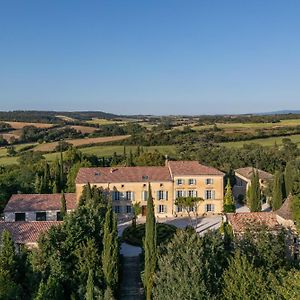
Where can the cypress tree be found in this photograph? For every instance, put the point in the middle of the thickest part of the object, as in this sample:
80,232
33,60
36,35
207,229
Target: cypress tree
228,199
110,254
150,246
289,177
46,180
57,180
89,295
124,153
37,184
8,265
254,193
277,194
62,176
7,254
63,207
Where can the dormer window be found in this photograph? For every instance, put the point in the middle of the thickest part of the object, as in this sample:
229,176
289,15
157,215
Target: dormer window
145,177
97,173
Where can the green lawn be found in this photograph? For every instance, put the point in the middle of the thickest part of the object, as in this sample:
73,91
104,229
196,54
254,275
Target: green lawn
264,141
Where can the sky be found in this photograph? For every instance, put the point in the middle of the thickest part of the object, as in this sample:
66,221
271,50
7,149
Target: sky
157,57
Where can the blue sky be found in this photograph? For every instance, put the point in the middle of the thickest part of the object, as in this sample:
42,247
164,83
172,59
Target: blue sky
150,57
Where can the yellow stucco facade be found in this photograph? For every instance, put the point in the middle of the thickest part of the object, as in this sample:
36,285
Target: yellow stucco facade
210,188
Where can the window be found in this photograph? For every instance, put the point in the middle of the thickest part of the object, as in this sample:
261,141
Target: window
192,181
180,181
179,193
117,209
162,195
161,209
129,196
128,209
40,216
145,177
20,217
116,195
209,194
209,207
144,195
192,193
179,208
209,181
59,216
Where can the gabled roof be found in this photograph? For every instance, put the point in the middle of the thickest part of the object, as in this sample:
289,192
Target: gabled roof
240,222
248,172
122,174
181,168
27,232
285,211
39,202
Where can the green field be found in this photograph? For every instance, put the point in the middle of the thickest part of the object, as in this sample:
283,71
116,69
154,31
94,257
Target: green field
264,141
237,126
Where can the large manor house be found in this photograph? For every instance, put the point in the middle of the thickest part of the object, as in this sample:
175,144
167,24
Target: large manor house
26,216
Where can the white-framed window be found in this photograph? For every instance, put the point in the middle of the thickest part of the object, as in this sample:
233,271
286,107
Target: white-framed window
209,181
209,207
179,208
129,196
128,209
192,193
116,195
192,209
209,194
145,195
161,209
117,209
179,181
180,193
192,181
162,195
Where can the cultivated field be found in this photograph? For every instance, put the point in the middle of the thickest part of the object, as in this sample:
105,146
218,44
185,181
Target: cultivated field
80,142
84,129
264,141
20,125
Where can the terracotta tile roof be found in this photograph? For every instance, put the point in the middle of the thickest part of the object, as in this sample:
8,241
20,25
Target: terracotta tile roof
241,221
122,174
27,232
39,202
179,168
248,172
285,211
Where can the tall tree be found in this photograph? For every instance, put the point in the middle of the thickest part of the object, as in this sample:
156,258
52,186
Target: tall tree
289,177
249,284
110,254
46,180
8,268
63,206
277,193
150,246
254,193
89,295
228,199
137,210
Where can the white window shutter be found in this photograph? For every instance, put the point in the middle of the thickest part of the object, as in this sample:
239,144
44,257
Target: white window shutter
165,208
132,196
213,194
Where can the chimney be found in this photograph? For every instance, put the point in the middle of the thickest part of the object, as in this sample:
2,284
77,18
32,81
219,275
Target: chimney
166,160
